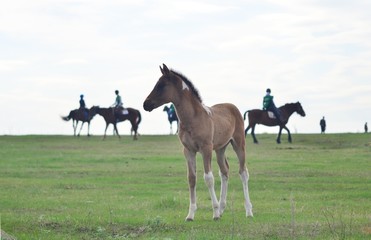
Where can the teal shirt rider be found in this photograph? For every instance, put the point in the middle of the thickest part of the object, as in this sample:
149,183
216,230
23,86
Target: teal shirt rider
267,100
171,110
118,101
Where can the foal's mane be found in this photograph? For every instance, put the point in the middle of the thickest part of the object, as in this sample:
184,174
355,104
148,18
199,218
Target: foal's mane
189,84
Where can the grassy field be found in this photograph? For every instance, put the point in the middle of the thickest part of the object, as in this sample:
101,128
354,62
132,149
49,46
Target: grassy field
61,187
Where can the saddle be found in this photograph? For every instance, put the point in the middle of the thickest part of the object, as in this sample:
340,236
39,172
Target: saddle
121,111
271,115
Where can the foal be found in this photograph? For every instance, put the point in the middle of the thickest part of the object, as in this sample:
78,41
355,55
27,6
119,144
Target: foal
203,129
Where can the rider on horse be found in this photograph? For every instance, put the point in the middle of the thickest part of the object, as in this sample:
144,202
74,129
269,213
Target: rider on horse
83,108
172,110
118,106
268,105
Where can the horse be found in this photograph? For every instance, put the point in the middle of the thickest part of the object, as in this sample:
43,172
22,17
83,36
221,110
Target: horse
257,116
114,116
203,129
171,116
81,115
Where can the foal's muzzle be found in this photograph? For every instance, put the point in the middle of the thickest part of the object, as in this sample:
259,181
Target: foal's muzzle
148,105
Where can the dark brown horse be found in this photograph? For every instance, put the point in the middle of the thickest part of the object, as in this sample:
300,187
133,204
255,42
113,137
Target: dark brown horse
83,115
116,115
203,129
257,116
172,117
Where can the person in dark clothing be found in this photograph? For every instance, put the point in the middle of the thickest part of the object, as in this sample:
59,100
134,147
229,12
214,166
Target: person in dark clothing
322,123
268,105
82,101
83,108
366,128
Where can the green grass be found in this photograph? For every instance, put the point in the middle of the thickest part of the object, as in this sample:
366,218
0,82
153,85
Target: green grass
61,187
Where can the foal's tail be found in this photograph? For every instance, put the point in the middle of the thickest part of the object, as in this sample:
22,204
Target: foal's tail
244,115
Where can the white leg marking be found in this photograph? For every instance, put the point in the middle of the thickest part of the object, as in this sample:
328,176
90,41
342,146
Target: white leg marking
248,206
191,211
209,180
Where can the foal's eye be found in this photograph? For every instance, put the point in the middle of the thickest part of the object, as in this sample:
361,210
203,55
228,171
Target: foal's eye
160,86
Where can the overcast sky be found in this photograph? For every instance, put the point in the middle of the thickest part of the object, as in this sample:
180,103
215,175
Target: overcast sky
315,52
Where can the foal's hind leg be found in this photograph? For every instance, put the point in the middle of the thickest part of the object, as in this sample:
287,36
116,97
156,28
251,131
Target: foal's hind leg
239,148
224,175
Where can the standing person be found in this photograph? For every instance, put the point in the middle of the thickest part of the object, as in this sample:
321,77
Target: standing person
268,105
83,108
322,123
366,128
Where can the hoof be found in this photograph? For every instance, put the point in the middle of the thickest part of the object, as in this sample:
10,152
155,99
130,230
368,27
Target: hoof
189,220
249,213
216,218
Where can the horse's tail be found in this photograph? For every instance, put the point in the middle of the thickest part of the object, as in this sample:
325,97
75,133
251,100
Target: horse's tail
139,117
67,118
244,115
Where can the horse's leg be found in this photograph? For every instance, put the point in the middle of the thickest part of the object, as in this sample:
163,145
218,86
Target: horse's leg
74,127
105,130
89,129
191,164
253,134
117,131
246,130
224,175
288,133
134,127
239,148
82,124
206,153
279,136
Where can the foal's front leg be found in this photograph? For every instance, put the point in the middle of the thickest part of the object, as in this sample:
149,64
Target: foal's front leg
191,163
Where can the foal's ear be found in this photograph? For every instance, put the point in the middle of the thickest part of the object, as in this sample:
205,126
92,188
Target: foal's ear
164,69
